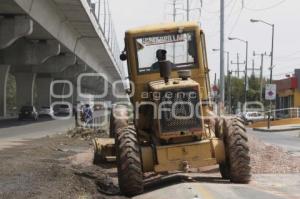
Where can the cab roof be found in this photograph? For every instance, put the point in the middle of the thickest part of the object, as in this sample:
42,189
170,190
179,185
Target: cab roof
161,27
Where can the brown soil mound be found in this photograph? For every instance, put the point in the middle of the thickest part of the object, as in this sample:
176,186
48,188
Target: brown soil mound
267,158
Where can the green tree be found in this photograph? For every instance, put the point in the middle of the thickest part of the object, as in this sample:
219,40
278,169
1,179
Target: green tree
237,89
253,93
11,93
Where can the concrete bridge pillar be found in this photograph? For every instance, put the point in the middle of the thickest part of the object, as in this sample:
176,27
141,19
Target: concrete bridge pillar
43,90
13,28
62,89
25,88
4,72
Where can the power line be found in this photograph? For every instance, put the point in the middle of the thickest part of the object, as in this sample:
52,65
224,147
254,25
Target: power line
266,8
231,11
236,22
218,11
215,33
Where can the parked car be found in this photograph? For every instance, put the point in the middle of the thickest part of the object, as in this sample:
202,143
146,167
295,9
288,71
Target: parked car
46,111
28,112
63,109
251,117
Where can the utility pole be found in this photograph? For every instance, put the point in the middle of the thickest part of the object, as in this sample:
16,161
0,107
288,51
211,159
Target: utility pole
262,55
271,73
246,75
246,65
222,47
229,91
174,10
188,10
215,79
253,67
228,67
104,18
238,64
272,65
261,76
174,19
228,62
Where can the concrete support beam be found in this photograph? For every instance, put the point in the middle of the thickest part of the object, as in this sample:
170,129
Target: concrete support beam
25,88
56,64
25,52
70,72
13,28
89,45
43,90
4,72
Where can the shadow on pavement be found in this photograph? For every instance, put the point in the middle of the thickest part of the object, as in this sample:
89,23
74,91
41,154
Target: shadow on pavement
169,180
15,122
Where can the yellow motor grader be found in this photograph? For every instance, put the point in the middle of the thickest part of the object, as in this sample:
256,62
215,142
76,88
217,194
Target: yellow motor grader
171,126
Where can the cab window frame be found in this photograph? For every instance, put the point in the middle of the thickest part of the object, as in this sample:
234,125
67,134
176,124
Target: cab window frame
196,63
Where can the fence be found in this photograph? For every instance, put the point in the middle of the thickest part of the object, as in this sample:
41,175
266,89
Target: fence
285,113
101,11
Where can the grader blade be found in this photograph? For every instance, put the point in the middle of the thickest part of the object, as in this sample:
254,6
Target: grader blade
104,150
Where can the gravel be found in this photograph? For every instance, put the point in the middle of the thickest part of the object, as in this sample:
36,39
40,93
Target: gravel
266,158
56,167
61,167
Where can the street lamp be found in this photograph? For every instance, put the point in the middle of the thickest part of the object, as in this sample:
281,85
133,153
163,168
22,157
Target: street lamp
223,87
271,54
246,65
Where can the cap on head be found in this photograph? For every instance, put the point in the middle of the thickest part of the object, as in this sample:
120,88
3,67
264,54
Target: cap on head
161,54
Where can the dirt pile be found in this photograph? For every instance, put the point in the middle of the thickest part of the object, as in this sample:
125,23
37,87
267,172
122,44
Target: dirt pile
54,167
86,133
267,158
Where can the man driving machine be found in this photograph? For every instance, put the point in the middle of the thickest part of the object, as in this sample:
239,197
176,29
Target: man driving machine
161,56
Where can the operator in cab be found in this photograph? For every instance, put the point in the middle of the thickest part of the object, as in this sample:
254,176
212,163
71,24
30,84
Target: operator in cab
161,56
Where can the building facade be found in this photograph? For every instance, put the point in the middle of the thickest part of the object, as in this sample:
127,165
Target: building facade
288,92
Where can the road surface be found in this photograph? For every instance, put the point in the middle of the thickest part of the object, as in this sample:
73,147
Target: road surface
205,185
281,186
12,132
262,186
288,140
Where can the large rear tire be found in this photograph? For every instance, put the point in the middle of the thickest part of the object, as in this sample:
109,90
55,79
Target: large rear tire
237,164
129,164
118,119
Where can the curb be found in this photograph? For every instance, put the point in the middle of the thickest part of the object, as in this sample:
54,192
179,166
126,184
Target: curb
276,130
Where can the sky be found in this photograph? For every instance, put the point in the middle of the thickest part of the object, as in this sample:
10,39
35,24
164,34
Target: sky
283,13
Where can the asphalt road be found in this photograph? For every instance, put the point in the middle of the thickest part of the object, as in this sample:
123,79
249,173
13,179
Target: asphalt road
262,186
279,186
288,140
13,132
206,186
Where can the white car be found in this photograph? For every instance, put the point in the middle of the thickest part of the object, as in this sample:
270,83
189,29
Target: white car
46,111
251,117
64,109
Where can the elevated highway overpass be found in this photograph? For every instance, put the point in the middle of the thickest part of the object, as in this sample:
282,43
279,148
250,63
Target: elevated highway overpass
46,40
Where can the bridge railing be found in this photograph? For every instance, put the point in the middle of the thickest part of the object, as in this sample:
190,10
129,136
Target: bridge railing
101,11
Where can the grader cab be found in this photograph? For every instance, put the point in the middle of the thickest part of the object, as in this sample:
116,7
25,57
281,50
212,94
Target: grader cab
171,126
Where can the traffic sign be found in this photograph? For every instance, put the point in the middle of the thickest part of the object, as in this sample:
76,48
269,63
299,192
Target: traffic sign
215,90
270,92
